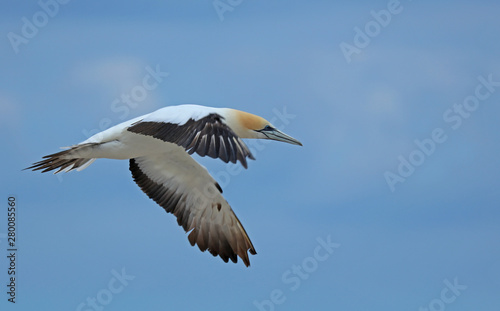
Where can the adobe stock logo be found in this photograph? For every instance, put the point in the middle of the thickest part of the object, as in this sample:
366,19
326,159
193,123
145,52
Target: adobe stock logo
454,117
298,273
105,296
30,27
448,295
363,37
221,7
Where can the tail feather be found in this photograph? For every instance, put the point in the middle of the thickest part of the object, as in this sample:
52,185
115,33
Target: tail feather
66,160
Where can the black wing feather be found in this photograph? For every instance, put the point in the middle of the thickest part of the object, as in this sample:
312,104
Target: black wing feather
208,136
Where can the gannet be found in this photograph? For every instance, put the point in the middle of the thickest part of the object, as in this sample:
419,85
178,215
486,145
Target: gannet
159,147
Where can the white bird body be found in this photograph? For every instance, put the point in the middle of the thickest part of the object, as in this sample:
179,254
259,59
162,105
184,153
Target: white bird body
118,143
159,145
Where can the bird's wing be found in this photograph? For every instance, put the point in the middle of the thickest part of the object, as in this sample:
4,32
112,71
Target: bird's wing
205,136
184,188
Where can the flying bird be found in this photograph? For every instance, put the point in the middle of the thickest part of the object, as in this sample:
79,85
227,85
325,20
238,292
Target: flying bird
159,147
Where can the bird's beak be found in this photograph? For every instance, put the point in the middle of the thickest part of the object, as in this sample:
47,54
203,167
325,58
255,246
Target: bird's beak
280,136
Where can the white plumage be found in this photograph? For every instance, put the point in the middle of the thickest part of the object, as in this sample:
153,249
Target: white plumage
159,145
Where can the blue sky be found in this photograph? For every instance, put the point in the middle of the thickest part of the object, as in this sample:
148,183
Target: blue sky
410,102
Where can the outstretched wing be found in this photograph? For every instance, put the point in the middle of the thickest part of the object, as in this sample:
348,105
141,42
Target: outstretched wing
205,136
184,188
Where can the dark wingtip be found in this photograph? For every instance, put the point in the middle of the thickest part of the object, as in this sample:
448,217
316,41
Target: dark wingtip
35,166
246,261
244,164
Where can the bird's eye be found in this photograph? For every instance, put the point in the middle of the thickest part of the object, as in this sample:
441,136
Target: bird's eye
268,128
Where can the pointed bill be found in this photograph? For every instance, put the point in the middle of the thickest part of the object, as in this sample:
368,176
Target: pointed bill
280,136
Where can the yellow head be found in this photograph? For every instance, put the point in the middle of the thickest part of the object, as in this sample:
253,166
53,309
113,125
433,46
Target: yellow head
247,125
